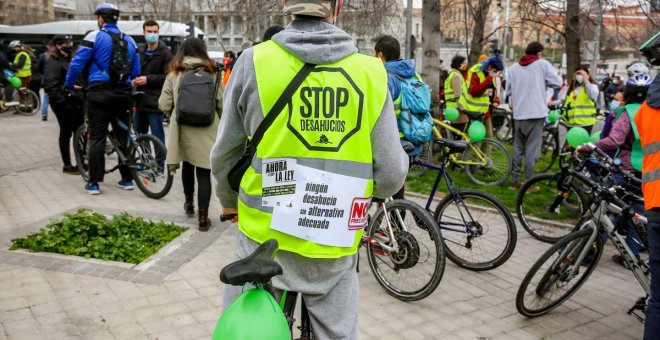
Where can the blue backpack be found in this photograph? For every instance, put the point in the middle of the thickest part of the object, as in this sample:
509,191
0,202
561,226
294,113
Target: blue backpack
415,120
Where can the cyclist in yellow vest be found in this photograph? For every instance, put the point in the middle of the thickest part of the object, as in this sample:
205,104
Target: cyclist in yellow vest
453,85
22,63
478,88
329,150
580,99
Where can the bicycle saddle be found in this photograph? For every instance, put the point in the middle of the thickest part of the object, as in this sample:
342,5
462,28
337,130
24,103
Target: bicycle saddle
454,146
258,267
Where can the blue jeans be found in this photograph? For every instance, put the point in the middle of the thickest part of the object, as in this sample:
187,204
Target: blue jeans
44,105
652,312
633,241
144,121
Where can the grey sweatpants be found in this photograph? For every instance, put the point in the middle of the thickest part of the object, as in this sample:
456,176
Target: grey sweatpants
328,286
527,136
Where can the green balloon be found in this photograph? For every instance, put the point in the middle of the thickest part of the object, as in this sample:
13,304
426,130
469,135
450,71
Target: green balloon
595,137
477,131
451,113
15,82
554,115
253,315
577,136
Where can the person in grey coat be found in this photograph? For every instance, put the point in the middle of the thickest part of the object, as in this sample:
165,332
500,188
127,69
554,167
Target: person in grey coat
328,285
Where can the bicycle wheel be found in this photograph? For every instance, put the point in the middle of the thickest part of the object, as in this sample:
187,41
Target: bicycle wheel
503,128
425,156
497,166
536,214
146,158
28,102
415,270
478,231
549,282
549,151
80,139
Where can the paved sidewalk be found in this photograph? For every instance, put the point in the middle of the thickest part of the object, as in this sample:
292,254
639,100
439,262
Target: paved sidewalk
183,301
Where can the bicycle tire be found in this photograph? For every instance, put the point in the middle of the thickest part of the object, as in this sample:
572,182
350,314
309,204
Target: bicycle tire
461,216
549,151
498,168
564,220
503,128
426,268
572,245
142,160
29,102
80,144
425,156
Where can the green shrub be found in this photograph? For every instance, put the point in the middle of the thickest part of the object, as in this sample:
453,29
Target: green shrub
89,234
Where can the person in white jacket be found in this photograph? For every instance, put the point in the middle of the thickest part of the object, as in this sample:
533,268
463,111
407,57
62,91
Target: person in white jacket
526,86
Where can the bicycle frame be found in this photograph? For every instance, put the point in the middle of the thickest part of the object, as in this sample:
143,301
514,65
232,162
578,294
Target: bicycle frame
451,186
483,158
381,242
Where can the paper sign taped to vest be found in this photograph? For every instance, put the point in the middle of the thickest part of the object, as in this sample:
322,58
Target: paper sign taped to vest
322,208
278,182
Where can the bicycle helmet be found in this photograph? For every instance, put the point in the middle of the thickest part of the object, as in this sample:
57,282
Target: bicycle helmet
107,9
640,79
314,8
651,50
15,43
637,68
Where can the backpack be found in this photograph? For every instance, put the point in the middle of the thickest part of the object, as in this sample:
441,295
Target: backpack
120,61
415,120
197,93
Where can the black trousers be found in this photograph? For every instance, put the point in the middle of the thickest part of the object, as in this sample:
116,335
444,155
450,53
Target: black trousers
104,106
188,173
69,117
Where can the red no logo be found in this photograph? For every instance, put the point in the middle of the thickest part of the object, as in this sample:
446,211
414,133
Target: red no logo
359,213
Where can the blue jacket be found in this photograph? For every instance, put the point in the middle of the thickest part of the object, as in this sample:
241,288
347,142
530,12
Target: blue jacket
401,67
97,45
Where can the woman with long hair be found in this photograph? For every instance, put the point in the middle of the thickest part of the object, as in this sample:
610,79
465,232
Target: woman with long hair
66,105
191,145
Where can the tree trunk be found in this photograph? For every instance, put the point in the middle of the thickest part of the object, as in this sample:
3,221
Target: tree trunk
431,40
572,35
480,15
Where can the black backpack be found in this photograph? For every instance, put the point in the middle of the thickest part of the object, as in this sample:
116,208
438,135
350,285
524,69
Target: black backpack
197,94
120,61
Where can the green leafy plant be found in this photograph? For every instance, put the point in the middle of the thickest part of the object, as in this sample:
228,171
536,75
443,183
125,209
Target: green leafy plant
89,234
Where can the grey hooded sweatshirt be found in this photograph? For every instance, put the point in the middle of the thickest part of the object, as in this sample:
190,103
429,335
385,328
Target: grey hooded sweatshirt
329,286
316,42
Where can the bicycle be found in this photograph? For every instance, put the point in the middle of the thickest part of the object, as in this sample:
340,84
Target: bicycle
405,244
255,314
550,220
551,148
461,218
502,120
486,163
26,102
145,154
563,276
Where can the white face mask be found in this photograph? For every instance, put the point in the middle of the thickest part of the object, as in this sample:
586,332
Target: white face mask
579,79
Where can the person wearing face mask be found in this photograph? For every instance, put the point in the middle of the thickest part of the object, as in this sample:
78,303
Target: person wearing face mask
66,105
611,89
453,85
155,58
228,61
580,100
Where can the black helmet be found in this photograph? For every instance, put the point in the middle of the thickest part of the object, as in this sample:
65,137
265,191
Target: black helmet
651,50
107,9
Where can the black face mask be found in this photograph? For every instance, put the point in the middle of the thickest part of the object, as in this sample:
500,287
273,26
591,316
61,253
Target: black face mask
67,49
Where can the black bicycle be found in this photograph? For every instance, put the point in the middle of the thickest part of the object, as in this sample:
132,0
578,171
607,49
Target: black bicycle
145,155
563,268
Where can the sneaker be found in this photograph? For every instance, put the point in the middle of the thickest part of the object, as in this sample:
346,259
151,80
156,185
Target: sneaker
125,184
70,170
44,118
533,188
619,259
92,189
516,185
